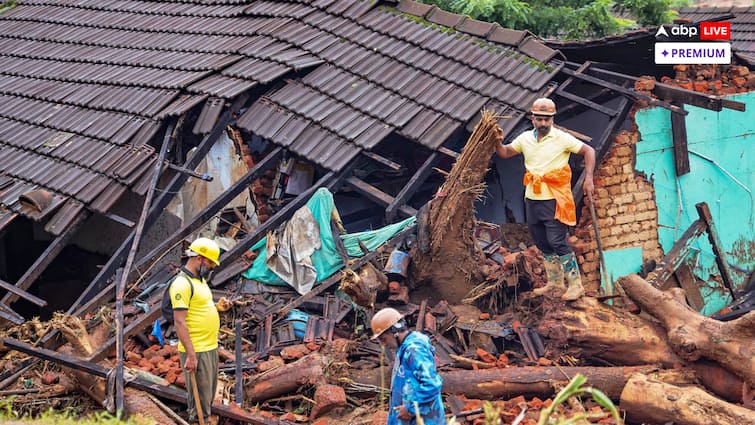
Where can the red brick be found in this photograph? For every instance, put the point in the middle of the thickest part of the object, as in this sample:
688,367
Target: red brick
294,352
327,398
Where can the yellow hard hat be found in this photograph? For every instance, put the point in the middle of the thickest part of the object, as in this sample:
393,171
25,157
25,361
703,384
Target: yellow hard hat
207,248
383,320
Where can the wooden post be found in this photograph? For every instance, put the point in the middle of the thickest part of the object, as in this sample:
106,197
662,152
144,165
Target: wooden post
679,135
715,242
411,187
239,372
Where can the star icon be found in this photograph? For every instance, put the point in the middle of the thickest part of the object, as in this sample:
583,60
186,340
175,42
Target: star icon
664,53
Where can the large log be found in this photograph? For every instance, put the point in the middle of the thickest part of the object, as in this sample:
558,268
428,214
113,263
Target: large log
491,384
648,400
543,381
608,333
451,262
692,335
309,370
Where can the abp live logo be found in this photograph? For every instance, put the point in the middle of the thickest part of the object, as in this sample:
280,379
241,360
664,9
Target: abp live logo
715,30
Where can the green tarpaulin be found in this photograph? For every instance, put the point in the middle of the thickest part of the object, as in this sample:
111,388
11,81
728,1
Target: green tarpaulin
325,259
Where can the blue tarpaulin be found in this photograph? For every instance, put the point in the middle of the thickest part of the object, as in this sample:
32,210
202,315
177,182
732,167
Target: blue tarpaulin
325,259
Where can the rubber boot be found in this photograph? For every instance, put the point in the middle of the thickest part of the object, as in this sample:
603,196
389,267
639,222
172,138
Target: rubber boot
555,274
573,279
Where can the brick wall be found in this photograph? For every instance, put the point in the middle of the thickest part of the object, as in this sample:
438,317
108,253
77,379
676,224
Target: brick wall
626,210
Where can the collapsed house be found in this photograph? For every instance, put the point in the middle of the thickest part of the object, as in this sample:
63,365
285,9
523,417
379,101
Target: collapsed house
276,102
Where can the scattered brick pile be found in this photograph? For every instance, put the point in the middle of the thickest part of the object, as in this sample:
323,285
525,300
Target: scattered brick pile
626,210
158,361
709,79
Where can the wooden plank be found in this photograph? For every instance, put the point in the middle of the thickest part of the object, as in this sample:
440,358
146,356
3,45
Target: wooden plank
46,258
376,195
448,152
23,294
172,392
8,314
679,133
732,104
687,281
715,242
676,255
586,102
583,137
419,177
383,160
623,90
239,375
121,277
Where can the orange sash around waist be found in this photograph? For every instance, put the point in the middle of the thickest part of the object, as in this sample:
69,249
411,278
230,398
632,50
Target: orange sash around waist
559,183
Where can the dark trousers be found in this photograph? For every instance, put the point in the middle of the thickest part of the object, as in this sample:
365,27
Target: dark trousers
548,233
207,382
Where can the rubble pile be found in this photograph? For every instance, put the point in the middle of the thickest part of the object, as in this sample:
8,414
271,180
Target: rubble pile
709,79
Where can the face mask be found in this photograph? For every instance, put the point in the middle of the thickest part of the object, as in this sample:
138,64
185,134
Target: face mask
204,271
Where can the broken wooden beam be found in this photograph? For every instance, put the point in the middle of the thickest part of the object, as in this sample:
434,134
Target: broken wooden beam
382,160
659,278
679,139
377,196
723,266
23,294
419,177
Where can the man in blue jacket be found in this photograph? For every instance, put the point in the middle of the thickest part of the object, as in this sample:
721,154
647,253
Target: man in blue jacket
415,383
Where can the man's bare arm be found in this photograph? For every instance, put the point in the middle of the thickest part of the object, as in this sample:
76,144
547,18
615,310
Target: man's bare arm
589,154
504,151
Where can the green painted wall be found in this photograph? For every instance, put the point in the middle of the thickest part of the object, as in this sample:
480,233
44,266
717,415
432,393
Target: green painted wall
728,139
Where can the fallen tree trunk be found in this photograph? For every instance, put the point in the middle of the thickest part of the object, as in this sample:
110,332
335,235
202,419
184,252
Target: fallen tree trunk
450,262
607,333
649,400
693,335
491,384
308,370
542,381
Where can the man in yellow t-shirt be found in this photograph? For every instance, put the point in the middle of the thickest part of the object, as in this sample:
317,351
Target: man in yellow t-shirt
197,324
549,204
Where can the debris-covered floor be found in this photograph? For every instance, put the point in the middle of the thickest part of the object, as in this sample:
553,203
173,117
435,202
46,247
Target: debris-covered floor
302,354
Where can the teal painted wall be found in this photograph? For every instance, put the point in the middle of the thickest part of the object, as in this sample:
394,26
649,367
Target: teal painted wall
728,139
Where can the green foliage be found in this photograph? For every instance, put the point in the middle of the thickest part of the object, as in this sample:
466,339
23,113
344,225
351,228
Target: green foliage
6,5
576,388
8,413
649,12
492,414
565,19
